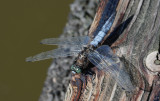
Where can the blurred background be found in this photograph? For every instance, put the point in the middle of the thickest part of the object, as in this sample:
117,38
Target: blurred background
23,24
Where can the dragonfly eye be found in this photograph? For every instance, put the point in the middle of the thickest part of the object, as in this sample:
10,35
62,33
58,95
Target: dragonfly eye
78,70
75,69
72,68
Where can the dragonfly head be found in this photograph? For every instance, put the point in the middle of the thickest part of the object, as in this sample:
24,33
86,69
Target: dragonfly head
76,69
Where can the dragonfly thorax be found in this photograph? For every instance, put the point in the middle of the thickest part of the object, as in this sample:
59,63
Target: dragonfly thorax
81,61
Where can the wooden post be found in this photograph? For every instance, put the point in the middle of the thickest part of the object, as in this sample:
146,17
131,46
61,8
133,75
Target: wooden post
133,36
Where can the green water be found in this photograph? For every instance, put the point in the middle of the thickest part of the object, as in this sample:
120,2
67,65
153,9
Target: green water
23,23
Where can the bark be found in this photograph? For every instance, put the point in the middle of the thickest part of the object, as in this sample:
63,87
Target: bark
133,36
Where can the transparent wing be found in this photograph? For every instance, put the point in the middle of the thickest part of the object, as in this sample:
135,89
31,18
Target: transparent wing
60,52
79,41
104,59
106,51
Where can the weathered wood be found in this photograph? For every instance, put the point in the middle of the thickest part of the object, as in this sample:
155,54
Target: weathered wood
134,35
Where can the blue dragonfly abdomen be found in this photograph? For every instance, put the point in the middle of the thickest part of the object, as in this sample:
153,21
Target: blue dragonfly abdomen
104,30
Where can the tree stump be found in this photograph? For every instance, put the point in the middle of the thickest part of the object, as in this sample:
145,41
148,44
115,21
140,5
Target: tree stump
133,36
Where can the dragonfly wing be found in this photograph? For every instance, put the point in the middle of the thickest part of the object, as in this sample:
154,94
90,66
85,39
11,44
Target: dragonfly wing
110,66
106,51
60,52
79,41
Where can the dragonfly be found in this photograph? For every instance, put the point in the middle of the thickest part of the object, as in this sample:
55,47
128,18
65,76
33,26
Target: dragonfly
86,49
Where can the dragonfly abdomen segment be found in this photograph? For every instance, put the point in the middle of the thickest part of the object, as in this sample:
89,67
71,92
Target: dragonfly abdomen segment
105,28
98,38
